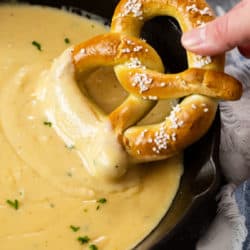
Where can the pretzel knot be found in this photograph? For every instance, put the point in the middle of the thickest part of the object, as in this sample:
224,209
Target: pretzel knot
140,71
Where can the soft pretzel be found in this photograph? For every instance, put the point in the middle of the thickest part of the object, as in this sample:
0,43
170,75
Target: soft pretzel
140,71
191,119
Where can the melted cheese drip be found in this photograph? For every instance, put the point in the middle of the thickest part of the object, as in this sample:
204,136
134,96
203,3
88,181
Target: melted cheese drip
43,167
78,122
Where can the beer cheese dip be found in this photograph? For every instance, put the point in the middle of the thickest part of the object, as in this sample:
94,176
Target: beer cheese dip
49,198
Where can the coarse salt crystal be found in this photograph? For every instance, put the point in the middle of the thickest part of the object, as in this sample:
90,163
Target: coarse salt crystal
153,98
173,136
194,106
135,63
129,42
150,140
133,7
141,136
142,81
80,55
175,123
125,50
137,48
202,61
200,23
177,108
155,150
161,140
180,123
204,12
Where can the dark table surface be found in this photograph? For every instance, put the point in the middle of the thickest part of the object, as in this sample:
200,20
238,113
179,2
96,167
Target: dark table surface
187,237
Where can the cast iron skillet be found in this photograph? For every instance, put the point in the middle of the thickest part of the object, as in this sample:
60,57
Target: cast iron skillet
201,175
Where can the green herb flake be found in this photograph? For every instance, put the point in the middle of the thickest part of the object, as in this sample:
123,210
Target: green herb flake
52,205
69,174
93,247
66,40
47,123
102,201
98,207
37,45
14,204
83,239
85,210
74,228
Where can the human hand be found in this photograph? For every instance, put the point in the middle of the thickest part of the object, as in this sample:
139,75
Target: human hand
223,34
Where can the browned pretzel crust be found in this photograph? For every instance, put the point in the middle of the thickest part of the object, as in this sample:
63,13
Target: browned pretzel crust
187,121
192,81
193,117
140,71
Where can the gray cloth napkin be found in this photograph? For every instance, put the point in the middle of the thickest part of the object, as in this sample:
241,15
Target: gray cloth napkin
229,230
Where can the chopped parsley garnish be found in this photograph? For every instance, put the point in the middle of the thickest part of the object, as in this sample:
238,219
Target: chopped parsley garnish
47,123
14,204
52,205
93,247
74,228
66,40
84,239
102,200
69,174
37,45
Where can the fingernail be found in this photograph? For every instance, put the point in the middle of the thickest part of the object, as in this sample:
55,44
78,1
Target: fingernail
194,38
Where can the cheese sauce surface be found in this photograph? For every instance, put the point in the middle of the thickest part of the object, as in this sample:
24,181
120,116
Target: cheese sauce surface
49,199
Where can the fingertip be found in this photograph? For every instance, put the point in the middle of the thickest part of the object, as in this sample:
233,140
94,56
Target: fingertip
190,39
194,39
197,42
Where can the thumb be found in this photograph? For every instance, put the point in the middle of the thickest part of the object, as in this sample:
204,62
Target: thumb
222,34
